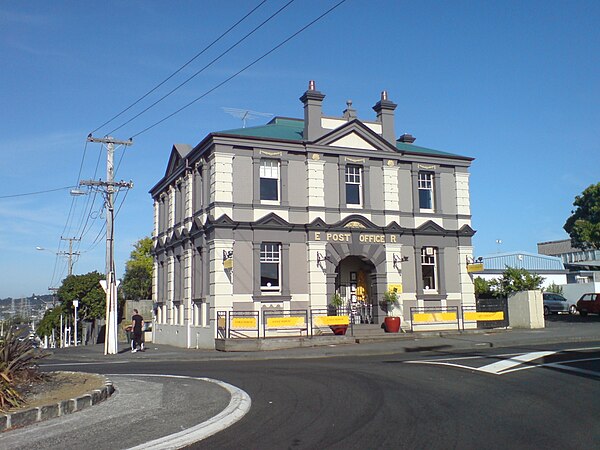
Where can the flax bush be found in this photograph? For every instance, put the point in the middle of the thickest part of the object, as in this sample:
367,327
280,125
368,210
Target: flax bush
17,365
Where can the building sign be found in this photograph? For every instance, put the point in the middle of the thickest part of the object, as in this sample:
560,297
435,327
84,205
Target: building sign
484,316
286,322
363,238
397,288
475,267
320,321
241,323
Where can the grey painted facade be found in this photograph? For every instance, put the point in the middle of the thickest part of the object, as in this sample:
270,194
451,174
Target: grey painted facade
339,209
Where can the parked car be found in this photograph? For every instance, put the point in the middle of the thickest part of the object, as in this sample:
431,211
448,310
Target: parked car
555,303
589,303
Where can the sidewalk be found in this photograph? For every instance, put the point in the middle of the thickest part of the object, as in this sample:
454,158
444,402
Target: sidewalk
559,329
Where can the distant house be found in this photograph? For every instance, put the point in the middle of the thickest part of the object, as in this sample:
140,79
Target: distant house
549,267
583,265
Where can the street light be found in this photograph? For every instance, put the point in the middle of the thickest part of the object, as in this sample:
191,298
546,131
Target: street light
75,305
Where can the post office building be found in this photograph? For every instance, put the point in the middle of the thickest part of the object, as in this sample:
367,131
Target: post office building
281,216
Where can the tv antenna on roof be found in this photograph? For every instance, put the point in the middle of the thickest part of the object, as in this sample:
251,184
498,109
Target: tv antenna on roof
245,114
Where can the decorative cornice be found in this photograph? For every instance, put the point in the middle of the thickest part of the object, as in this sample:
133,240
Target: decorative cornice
264,152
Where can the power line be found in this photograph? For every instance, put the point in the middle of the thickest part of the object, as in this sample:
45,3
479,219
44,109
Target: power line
38,192
241,70
182,67
205,67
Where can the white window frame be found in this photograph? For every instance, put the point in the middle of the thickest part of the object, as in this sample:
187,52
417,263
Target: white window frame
353,176
425,182
270,169
429,258
270,253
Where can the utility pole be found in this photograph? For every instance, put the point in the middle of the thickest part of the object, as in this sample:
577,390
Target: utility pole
110,284
70,253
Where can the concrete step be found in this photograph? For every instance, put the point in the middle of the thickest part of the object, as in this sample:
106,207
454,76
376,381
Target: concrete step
370,331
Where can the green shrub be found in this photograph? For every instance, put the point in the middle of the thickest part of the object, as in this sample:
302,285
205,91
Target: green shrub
17,365
554,288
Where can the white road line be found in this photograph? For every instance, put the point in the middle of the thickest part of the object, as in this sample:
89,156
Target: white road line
238,406
561,365
507,364
84,363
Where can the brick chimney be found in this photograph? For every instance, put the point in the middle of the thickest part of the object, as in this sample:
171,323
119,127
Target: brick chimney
313,101
385,115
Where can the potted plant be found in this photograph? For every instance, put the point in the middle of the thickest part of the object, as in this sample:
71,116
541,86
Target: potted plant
335,303
391,323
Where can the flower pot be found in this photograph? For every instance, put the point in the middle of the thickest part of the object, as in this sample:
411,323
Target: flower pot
339,330
392,324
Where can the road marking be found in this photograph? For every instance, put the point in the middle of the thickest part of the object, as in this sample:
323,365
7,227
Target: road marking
507,364
237,408
84,363
517,363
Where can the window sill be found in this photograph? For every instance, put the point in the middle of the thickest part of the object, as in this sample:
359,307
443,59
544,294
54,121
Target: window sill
271,298
270,202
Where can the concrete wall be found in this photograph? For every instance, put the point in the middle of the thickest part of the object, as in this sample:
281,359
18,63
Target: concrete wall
526,310
177,336
573,291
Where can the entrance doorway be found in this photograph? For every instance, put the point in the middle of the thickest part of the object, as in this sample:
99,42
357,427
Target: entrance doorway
355,283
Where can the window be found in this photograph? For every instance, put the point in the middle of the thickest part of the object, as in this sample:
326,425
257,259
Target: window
429,268
425,184
353,185
269,179
269,267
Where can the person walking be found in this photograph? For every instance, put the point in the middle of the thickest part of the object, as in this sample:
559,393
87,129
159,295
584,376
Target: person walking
137,323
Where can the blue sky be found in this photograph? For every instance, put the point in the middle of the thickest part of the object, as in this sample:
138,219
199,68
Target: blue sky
512,84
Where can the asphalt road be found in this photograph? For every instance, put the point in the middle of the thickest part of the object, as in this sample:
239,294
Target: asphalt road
423,393
524,397
393,402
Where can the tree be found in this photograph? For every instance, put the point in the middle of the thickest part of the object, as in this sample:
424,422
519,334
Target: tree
584,224
137,281
516,280
482,287
50,321
85,288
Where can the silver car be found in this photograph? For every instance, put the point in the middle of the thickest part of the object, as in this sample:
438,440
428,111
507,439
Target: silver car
555,303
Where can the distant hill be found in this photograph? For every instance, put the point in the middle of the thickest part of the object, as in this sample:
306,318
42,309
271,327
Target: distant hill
34,300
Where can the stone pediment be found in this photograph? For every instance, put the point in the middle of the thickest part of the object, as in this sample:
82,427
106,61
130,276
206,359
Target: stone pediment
272,220
356,135
430,227
178,153
356,222
317,224
466,230
394,228
222,222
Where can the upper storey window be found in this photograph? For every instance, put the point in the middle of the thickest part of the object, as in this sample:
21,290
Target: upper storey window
425,184
269,180
353,185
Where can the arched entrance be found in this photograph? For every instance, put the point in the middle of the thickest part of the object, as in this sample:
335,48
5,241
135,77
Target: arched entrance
355,282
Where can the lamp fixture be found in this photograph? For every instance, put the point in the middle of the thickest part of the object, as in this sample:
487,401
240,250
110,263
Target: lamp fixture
398,259
321,258
471,260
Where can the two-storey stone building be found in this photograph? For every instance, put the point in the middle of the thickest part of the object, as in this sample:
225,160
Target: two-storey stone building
281,216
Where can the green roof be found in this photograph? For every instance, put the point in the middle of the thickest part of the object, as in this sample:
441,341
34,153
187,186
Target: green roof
412,148
292,130
278,128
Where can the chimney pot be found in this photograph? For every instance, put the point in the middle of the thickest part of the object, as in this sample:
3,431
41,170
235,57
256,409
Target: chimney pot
407,138
384,95
311,85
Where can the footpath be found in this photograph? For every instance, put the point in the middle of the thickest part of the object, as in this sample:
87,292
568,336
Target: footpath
138,408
